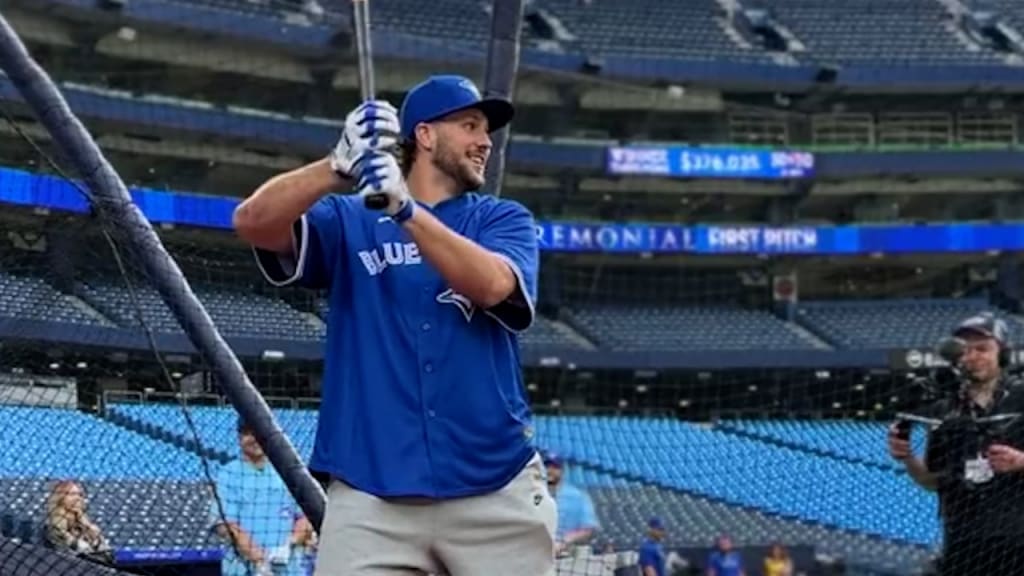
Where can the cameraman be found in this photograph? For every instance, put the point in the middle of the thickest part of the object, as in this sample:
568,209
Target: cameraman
975,463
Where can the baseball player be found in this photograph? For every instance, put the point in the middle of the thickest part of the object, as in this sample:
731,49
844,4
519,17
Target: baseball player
423,428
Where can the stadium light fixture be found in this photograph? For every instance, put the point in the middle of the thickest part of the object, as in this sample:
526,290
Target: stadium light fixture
684,403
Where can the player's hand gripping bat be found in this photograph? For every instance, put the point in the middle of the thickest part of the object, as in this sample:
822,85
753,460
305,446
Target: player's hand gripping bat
364,55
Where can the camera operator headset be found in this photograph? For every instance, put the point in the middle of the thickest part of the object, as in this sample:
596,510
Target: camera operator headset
974,458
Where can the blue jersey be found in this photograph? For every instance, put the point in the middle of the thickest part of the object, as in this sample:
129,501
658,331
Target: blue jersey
257,501
422,393
652,555
575,510
725,564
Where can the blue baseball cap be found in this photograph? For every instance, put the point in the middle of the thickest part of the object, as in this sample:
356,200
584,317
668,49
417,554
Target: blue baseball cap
553,459
441,95
655,523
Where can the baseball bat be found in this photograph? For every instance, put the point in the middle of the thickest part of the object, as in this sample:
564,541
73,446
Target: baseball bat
500,77
364,56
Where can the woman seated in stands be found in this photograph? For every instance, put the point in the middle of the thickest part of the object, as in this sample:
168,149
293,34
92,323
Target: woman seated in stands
69,528
777,563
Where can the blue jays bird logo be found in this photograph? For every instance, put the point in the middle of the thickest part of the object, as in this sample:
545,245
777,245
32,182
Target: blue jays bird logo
465,305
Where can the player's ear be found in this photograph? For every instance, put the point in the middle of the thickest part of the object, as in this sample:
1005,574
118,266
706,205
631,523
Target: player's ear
426,135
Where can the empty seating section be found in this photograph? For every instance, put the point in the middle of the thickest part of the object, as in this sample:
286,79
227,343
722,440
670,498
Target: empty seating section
59,443
847,439
262,8
747,472
1008,11
545,334
672,328
133,514
235,312
616,326
118,303
854,31
216,426
239,313
464,21
875,31
650,28
32,298
888,323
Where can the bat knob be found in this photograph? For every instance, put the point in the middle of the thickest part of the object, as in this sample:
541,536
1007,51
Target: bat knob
376,201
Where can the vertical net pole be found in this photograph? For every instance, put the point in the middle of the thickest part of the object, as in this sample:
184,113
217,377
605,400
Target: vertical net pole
111,201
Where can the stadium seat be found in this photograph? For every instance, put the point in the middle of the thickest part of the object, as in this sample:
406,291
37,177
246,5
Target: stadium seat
53,442
886,323
842,439
852,496
876,31
677,328
235,313
32,298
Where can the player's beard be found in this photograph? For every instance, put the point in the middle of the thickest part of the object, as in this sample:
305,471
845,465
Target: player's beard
456,166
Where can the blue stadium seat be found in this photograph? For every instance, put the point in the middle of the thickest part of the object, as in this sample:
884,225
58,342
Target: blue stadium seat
32,298
886,323
235,313
747,472
53,442
690,30
678,328
876,31
216,426
844,439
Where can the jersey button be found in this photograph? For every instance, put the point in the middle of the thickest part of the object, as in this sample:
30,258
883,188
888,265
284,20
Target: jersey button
431,413
428,367
426,326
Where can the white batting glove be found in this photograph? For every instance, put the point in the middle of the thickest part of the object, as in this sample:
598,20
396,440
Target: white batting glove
373,125
379,173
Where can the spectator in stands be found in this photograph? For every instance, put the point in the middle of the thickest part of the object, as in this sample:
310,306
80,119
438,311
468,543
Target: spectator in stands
979,477
577,520
68,526
253,512
724,560
777,563
652,552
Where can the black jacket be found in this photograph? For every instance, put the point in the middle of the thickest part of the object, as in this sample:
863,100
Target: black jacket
975,502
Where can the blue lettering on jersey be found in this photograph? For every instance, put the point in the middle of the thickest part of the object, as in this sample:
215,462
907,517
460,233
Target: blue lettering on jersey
417,400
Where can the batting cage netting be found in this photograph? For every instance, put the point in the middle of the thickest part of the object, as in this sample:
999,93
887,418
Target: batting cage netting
686,405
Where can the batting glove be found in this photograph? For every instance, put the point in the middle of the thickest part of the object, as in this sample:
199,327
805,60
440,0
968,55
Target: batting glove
379,173
373,125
